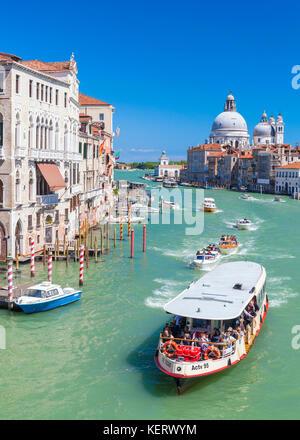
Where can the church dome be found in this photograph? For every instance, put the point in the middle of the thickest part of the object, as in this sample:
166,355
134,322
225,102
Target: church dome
263,129
229,121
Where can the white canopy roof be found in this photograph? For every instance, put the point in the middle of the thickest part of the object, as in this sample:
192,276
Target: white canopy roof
214,297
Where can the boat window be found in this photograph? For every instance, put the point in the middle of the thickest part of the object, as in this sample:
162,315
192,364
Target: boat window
52,292
36,293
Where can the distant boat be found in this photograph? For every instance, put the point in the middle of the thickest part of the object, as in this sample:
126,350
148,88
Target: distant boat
243,223
277,199
209,205
46,296
170,184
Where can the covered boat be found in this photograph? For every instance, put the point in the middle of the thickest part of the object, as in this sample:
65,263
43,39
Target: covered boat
209,205
46,296
207,257
216,321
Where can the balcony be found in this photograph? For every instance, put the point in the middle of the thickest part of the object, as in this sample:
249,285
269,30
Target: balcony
76,189
48,199
36,154
20,152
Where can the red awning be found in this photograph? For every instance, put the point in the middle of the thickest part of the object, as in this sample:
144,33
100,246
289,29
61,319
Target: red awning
52,175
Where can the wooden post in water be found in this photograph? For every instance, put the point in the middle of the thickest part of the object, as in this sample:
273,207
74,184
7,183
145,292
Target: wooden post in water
132,243
102,245
17,261
129,220
91,238
67,256
10,281
81,260
64,245
107,236
96,250
50,266
32,257
144,238
115,237
44,255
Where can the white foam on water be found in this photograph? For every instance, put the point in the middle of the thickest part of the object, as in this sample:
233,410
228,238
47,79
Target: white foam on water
168,290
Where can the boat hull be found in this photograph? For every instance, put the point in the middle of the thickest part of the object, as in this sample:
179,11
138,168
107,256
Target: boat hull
48,305
245,226
206,209
203,264
228,250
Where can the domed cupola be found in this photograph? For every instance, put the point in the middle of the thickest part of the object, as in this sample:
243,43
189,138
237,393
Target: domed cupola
264,131
229,127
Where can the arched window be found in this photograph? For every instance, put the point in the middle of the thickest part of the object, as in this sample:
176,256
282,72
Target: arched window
51,143
37,133
42,134
30,133
1,194
18,131
18,187
1,130
56,136
31,195
46,135
66,138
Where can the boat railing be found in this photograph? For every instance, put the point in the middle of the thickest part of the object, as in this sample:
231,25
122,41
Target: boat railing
223,347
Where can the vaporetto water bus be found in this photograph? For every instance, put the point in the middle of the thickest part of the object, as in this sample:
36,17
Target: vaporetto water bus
216,321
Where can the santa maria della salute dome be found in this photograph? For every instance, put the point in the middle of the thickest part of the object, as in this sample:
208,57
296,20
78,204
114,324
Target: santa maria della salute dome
230,128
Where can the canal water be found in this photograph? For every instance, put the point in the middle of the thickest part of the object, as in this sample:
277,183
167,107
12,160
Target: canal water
94,359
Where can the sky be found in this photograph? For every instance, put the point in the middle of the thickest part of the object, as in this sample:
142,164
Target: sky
167,66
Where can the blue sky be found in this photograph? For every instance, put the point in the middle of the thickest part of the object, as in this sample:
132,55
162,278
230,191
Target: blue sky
167,66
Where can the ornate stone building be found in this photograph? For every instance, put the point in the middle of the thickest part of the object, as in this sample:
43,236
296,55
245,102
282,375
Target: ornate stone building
41,165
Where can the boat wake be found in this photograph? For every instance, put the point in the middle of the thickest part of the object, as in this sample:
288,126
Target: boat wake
167,290
278,292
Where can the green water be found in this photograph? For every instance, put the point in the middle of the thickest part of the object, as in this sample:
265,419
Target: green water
94,359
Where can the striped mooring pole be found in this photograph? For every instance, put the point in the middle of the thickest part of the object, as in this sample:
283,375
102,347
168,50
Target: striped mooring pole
121,226
32,257
81,260
10,280
129,221
50,266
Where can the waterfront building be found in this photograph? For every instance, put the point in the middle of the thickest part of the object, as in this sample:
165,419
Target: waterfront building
41,164
287,179
197,162
229,127
227,169
163,169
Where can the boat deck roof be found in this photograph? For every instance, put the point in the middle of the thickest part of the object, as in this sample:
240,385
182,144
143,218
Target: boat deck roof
214,297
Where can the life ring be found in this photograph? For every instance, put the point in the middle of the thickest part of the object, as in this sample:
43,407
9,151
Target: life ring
166,345
213,349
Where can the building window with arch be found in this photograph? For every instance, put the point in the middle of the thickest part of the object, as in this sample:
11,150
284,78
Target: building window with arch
18,187
31,186
18,131
66,138
1,194
56,136
1,130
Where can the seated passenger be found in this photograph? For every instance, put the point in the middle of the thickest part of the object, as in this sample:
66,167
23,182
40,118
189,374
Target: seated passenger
216,335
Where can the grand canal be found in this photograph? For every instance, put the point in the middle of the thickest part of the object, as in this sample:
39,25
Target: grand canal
94,359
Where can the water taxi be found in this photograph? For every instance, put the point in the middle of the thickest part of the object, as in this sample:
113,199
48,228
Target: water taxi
165,204
170,183
277,199
243,223
206,258
216,322
228,244
46,296
209,205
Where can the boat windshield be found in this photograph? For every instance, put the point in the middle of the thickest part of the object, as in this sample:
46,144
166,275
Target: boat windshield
36,293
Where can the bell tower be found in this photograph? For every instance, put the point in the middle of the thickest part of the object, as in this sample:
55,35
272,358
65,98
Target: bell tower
230,105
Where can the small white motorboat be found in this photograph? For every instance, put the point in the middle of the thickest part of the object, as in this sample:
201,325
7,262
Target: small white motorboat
205,259
277,199
164,204
46,296
246,197
243,223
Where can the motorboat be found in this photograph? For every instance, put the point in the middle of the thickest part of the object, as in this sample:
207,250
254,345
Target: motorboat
209,205
277,199
206,258
200,340
247,197
228,244
243,223
46,296
170,184
165,204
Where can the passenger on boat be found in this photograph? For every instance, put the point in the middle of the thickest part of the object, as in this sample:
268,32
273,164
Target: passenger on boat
203,341
229,338
216,335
